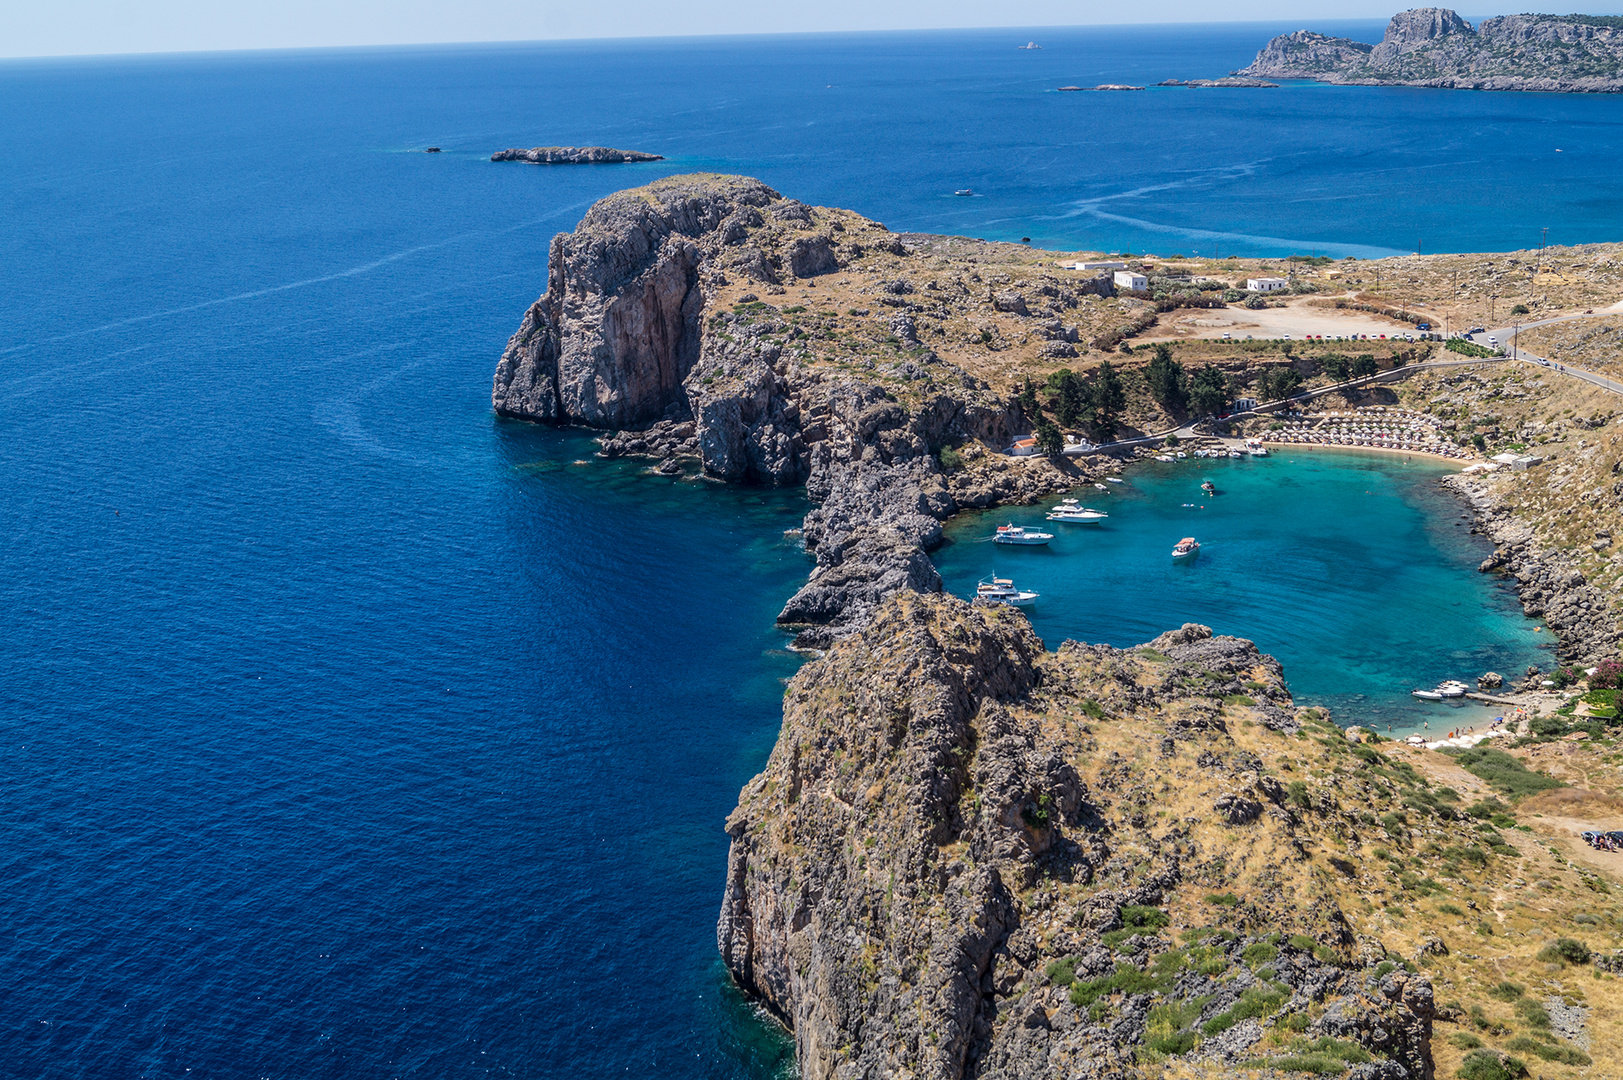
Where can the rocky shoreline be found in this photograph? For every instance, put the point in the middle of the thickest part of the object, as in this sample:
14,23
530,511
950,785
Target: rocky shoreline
1550,586
627,337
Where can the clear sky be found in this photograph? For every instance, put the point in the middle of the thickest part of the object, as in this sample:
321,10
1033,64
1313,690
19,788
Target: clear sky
78,27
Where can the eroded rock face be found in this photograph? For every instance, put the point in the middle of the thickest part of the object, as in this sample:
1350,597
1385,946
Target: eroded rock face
948,868
618,328
574,155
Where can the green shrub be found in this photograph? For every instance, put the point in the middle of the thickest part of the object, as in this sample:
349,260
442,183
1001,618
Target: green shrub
1487,1064
1165,1029
1565,1055
1464,1040
1062,972
1227,899
1507,775
1519,309
1565,950
1507,991
1536,1015
951,460
1255,1003
1450,909
1260,953
1303,942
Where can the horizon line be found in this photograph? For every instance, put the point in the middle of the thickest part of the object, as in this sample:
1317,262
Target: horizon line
660,38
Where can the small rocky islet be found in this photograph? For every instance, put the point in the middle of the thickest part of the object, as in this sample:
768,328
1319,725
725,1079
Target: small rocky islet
574,155
968,856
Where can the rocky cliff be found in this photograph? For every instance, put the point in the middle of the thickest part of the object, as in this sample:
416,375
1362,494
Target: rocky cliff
971,858
636,331
1435,47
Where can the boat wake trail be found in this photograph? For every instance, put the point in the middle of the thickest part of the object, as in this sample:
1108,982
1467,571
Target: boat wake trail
272,290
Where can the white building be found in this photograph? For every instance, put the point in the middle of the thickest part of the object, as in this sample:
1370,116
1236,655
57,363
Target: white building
1126,279
1266,284
1093,266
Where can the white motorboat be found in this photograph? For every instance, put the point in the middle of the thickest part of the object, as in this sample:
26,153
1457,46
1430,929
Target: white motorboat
1255,448
1163,457
1114,479
1426,695
1016,534
1101,487
1186,548
1453,688
1002,591
1071,510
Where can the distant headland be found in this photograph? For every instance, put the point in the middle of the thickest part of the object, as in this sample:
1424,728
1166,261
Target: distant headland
574,155
1435,47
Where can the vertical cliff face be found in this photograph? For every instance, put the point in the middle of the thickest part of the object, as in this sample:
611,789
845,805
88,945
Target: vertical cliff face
619,326
970,858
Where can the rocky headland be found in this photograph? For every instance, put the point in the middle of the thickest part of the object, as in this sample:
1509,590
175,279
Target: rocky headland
971,857
573,155
1435,47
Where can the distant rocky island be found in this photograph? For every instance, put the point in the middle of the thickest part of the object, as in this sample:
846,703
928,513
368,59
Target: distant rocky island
574,155
1435,47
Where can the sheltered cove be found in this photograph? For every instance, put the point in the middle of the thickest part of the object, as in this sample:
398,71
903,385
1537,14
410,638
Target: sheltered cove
964,851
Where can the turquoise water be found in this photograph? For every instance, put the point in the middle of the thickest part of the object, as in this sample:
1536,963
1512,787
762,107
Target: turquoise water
1356,570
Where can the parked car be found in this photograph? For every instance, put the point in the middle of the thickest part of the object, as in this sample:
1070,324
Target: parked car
1477,330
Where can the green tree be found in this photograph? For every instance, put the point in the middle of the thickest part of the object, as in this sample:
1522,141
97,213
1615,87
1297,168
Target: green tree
1208,391
1363,366
1167,383
1049,439
1336,365
1109,398
1519,309
1028,399
1278,382
1071,402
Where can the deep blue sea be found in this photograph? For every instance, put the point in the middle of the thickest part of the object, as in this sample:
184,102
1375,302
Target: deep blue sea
349,732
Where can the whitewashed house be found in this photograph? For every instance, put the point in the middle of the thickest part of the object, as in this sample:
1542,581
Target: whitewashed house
1126,279
1266,284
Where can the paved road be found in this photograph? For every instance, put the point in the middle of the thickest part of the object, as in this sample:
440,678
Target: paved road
1507,337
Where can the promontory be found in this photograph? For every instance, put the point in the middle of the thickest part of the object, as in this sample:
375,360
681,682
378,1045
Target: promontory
971,856
1435,47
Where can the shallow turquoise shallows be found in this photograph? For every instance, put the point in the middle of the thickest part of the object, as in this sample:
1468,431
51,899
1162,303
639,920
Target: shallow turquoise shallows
1356,570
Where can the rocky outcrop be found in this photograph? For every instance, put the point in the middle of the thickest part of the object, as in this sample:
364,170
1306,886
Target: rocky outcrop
952,866
1550,587
1435,47
574,155
628,336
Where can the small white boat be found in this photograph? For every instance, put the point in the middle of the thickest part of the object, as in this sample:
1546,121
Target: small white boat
1255,448
1002,591
1113,479
1163,457
1426,695
1186,548
1235,453
1071,510
1452,689
1181,456
1016,534
1101,487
